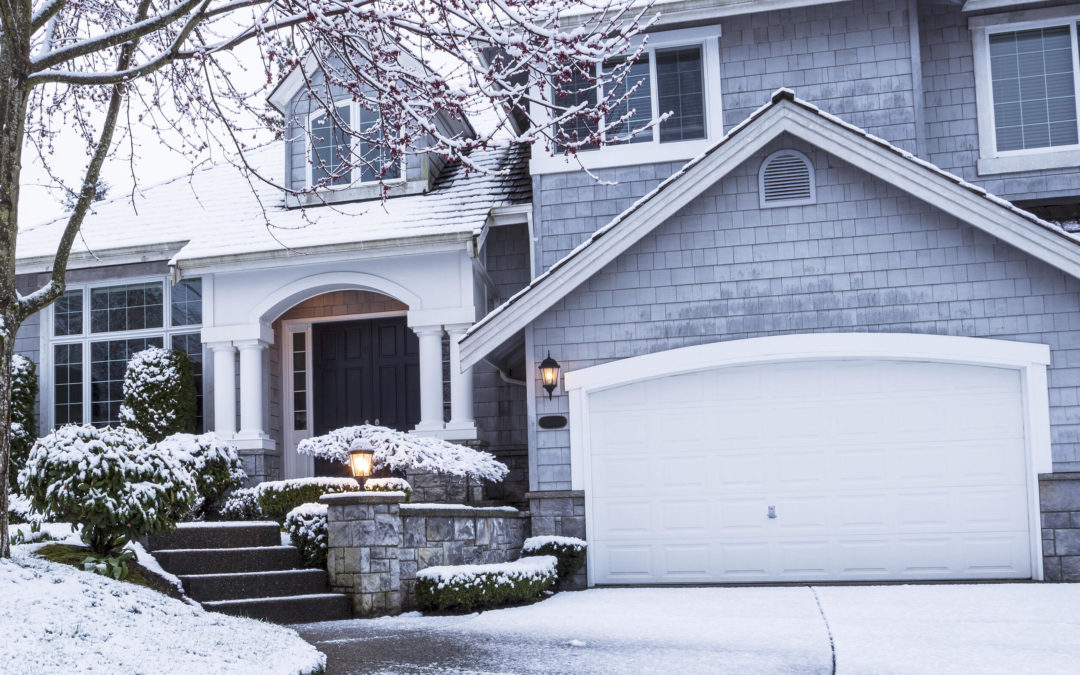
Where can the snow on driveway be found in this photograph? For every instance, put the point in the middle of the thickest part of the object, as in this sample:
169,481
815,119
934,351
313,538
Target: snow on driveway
985,628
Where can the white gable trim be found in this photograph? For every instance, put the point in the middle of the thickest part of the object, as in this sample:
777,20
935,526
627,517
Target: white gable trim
804,121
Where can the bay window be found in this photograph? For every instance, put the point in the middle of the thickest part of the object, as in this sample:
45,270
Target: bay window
97,328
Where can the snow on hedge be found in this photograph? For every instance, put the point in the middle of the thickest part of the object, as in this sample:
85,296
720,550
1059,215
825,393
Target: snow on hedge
159,393
58,619
328,482
533,568
536,543
213,462
389,485
400,451
308,531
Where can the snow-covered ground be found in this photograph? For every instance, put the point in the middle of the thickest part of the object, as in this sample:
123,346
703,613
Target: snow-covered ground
57,619
988,628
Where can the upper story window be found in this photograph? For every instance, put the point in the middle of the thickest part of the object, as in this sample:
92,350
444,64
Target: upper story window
678,72
680,90
336,155
1026,68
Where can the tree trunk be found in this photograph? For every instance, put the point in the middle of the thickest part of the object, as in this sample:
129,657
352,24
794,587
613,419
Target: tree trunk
14,96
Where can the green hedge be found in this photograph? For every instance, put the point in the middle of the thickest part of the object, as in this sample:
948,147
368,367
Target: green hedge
389,485
308,531
277,498
24,391
159,393
464,588
569,551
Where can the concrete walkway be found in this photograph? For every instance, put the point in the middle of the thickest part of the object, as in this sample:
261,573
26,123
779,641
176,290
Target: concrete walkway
994,628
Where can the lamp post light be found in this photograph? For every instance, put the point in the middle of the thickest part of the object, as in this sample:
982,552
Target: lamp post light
549,373
361,459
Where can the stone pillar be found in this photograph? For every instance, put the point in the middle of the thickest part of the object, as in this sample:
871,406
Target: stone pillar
1059,496
251,388
363,541
431,394
560,513
462,426
224,388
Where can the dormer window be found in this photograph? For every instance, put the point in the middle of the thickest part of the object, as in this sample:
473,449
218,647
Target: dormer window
335,153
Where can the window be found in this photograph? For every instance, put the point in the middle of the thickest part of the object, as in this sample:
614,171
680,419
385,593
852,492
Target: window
376,161
95,331
299,381
67,313
122,308
680,89
1026,82
679,77
1033,83
330,152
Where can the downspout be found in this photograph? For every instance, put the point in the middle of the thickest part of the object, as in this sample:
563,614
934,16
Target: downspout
505,377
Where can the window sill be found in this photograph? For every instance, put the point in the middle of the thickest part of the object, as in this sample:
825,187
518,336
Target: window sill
612,156
1060,159
356,193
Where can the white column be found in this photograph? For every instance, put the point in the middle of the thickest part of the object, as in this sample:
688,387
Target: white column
251,388
461,389
224,388
431,399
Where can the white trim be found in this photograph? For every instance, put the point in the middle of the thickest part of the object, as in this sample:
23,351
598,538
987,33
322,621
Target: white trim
991,161
1028,359
277,301
812,199
681,12
630,154
878,159
985,5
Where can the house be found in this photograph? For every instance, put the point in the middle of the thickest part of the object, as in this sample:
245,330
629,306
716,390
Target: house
822,323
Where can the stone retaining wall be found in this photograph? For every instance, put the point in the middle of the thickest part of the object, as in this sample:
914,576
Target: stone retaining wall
377,544
1059,495
560,513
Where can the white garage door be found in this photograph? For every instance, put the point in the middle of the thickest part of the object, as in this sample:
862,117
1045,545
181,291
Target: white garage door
827,470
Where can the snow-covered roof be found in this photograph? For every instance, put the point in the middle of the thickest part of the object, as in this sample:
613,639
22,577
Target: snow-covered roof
783,114
218,212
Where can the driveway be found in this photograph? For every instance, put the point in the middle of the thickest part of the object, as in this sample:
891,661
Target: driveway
988,628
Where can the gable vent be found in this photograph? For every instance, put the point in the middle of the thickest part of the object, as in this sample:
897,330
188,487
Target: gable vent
786,179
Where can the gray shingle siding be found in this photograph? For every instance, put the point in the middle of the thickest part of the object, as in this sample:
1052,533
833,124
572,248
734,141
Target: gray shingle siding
866,257
951,119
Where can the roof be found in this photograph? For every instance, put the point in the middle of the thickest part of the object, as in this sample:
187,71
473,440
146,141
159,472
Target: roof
218,212
783,114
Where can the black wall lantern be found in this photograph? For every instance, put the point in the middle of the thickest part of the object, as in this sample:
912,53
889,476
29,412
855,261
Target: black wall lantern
549,373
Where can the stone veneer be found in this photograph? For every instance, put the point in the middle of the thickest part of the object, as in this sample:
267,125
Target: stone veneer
560,513
377,544
1059,494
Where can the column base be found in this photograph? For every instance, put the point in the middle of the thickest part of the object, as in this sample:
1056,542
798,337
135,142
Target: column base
253,442
461,431
447,433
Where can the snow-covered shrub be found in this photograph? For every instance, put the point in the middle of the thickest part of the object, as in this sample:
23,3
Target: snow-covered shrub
24,391
109,480
569,551
19,509
401,451
277,498
213,463
159,393
468,587
389,485
306,525
242,504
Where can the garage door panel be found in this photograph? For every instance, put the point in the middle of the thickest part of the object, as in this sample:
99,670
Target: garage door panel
877,470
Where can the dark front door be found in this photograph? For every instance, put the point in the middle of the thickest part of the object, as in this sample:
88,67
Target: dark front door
365,371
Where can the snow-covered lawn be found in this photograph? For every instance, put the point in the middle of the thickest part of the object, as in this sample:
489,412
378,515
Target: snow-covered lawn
57,619
989,628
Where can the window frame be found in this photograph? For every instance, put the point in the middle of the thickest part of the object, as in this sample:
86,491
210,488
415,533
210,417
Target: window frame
354,119
991,160
87,337
707,38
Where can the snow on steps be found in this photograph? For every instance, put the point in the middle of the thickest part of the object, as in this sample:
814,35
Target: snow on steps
243,569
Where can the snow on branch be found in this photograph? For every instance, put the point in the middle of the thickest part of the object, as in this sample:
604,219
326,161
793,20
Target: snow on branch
401,451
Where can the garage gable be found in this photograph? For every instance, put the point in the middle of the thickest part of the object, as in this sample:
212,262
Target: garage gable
785,115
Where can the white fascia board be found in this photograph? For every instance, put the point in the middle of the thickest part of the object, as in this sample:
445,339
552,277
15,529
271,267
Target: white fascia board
118,256
292,83
700,11
383,248
602,250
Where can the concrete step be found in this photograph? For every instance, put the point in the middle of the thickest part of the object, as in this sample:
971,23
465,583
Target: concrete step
187,561
242,534
245,585
290,609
